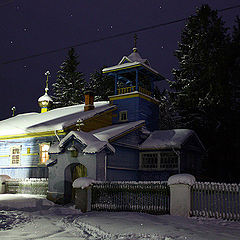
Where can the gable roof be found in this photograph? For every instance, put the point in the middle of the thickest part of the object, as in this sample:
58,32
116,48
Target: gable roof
113,132
134,57
56,119
131,61
167,139
95,141
92,144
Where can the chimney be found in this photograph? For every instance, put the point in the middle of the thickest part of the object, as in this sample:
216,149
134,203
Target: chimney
89,99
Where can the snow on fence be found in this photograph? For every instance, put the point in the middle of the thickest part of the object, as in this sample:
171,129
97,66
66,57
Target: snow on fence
27,186
219,200
149,197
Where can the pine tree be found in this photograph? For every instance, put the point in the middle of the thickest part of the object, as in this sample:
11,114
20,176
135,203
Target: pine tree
201,88
102,85
69,86
234,71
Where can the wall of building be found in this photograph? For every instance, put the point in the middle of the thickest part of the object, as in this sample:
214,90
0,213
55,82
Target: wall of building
123,165
29,166
60,174
138,108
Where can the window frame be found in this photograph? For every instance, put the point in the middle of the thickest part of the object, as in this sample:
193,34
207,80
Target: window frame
159,161
19,147
40,153
121,113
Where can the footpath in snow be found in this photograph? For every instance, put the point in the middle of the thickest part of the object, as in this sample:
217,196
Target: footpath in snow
33,217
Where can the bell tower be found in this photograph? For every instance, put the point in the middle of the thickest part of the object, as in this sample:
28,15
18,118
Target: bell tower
134,85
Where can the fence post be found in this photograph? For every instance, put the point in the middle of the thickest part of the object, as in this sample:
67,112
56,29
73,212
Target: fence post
180,194
83,193
83,199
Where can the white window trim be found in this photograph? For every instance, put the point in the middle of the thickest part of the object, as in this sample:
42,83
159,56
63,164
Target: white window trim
40,152
158,163
11,154
120,115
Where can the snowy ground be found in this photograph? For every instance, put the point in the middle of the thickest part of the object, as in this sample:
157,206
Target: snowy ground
33,217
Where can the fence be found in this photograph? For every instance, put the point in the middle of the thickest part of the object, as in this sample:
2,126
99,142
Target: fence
149,197
27,186
217,200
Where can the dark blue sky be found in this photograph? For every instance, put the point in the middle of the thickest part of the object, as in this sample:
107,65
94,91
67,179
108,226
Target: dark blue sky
32,27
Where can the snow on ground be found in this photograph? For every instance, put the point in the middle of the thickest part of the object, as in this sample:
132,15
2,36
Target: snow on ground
33,217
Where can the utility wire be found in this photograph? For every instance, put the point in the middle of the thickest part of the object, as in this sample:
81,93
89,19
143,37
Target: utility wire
9,2
109,37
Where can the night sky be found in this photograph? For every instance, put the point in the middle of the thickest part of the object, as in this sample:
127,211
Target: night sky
33,27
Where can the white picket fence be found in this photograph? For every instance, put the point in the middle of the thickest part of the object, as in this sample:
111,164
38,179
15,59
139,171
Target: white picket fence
219,200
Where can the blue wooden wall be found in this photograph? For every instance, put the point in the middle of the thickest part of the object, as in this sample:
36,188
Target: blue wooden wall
29,162
138,109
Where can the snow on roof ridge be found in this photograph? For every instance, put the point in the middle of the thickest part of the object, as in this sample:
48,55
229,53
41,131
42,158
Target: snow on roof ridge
92,143
52,120
116,130
164,139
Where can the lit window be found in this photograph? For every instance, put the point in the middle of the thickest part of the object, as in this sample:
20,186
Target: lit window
15,155
159,161
44,147
123,116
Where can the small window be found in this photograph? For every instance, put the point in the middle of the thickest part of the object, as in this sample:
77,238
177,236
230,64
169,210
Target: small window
149,160
44,147
169,160
123,116
15,155
159,160
28,150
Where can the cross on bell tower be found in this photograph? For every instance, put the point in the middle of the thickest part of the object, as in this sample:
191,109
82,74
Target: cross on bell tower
135,43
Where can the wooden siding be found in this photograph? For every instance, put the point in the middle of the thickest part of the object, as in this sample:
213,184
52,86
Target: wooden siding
138,108
96,122
29,162
129,140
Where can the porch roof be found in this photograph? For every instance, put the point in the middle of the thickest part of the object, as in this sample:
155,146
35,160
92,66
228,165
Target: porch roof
168,139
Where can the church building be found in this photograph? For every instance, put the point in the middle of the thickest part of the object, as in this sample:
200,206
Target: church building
115,140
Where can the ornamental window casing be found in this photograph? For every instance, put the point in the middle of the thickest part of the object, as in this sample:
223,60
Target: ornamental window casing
43,152
15,155
166,160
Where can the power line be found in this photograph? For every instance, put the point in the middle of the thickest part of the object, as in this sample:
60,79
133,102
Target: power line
109,37
9,2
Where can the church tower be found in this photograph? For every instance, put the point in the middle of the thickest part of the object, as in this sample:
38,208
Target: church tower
45,101
134,86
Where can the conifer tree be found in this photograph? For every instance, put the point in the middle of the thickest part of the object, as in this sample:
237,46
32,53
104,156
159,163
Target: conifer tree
102,85
70,83
201,90
234,71
201,87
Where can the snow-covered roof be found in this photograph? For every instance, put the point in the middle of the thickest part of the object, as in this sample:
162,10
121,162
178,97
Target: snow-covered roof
99,139
92,144
117,130
45,97
134,59
166,139
128,65
56,119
